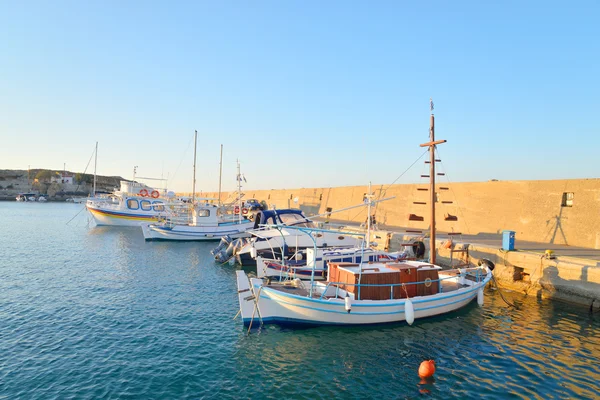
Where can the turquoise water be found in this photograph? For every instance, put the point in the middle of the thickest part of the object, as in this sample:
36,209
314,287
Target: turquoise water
99,313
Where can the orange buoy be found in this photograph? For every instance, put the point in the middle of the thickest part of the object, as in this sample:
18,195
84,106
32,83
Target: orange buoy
427,369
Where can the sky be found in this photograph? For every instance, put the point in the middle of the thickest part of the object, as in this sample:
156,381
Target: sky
303,93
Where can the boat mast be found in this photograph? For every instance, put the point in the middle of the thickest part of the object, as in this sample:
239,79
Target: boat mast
239,179
368,199
431,144
220,173
194,179
95,165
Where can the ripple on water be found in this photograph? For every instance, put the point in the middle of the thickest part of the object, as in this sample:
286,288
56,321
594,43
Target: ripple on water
89,313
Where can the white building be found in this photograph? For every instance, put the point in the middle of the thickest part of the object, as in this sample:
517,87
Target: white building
63,177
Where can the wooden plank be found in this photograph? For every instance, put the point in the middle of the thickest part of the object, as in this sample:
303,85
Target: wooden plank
428,144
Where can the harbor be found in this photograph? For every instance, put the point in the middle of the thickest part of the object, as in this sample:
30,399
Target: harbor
299,200
101,312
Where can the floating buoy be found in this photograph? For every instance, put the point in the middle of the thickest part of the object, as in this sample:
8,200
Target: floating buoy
480,297
409,311
348,303
427,369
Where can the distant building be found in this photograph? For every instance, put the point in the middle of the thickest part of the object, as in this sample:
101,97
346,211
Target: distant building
63,177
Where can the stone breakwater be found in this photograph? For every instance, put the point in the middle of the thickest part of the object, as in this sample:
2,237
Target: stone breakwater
553,211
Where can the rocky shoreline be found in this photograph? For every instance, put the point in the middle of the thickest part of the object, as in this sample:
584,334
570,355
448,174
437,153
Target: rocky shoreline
50,184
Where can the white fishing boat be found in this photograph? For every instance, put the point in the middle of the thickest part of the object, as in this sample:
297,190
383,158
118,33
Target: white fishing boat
365,293
209,222
134,204
274,240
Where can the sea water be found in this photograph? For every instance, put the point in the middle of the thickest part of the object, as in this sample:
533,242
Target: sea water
96,312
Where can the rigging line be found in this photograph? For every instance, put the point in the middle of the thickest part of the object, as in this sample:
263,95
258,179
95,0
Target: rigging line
452,190
402,174
86,167
383,192
182,158
76,215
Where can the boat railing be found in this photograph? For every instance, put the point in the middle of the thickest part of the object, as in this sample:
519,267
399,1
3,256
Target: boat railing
310,232
478,278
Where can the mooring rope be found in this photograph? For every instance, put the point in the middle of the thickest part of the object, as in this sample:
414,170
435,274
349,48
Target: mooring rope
501,295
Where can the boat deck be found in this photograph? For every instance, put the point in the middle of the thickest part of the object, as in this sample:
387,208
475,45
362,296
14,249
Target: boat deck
447,286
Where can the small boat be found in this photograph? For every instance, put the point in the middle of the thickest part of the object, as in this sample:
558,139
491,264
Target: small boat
366,293
209,222
274,240
42,199
24,197
134,204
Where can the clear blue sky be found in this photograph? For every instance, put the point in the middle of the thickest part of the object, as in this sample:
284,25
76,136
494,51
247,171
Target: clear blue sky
304,93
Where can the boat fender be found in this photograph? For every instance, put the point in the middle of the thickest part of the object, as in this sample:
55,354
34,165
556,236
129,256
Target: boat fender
253,252
418,249
409,312
480,297
232,261
486,263
348,303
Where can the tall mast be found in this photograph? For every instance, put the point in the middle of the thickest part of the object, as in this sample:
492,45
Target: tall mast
220,173
431,144
239,179
368,199
95,166
432,187
194,179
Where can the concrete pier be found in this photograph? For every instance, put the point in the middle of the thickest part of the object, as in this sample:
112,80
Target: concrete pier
572,274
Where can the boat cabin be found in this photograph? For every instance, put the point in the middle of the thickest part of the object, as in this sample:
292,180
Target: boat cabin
385,281
289,217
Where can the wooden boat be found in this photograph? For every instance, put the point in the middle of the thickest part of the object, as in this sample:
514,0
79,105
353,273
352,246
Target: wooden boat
366,293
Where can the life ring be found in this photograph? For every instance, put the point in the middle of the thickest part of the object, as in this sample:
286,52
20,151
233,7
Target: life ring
155,194
143,193
244,211
236,210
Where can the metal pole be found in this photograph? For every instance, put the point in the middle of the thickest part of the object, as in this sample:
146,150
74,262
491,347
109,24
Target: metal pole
239,179
432,189
220,173
194,179
95,166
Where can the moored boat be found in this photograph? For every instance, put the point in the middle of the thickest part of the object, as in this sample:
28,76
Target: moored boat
366,293
134,204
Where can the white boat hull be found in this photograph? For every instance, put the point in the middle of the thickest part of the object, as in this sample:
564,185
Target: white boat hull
120,218
275,306
194,233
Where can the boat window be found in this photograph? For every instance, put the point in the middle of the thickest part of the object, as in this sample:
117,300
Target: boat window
133,204
295,220
158,206
145,205
203,213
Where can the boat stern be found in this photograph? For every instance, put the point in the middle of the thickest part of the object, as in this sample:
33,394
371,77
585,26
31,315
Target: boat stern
247,299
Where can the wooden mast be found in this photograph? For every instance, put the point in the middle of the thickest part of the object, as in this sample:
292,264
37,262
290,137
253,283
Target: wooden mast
431,144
